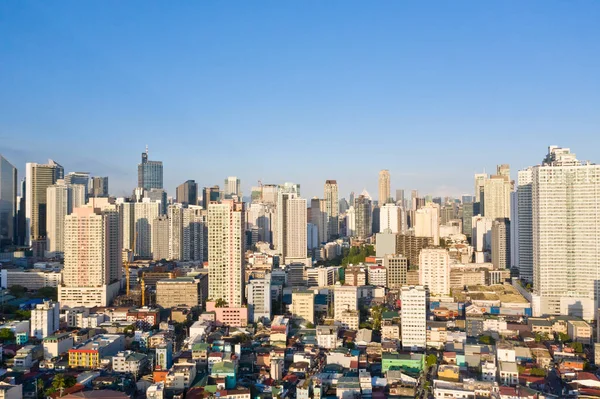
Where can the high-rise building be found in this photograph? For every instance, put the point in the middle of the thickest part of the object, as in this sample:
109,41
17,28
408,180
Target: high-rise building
175,214
384,187
61,199
391,217
566,243
414,317
187,193
479,184
210,194
400,198
351,222
434,270
137,219
21,223
93,257
496,194
261,216
160,238
345,297
81,178
331,208
232,188
427,222
291,224
501,243
8,203
362,209
38,178
303,305
410,246
396,268
482,238
319,218
467,219
150,173
258,292
45,319
525,224
343,205
226,241
59,171
269,194
99,186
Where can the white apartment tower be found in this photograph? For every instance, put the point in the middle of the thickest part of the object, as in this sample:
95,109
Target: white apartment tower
384,187
566,234
258,292
345,297
226,241
496,194
391,217
291,226
331,208
525,224
427,222
414,317
61,199
93,260
37,180
434,270
137,219
45,319
233,187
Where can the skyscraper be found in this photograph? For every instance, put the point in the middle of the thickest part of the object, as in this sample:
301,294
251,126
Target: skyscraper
187,193
99,187
332,208
59,171
427,222
150,173
37,179
566,242
400,198
414,317
8,203
362,209
319,218
501,243
226,256
137,219
232,188
82,178
61,199
384,187
434,270
291,224
496,194
93,259
210,194
525,225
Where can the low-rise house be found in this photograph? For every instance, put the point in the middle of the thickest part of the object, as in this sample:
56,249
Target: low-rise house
509,373
181,376
413,363
130,362
57,344
327,337
448,372
348,388
580,331
227,371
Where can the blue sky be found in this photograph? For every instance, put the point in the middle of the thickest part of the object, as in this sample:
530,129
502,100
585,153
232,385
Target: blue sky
299,91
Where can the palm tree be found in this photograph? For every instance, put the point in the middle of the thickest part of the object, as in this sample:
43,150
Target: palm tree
220,303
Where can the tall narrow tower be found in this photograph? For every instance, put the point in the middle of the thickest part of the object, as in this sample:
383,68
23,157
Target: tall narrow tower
384,187
332,208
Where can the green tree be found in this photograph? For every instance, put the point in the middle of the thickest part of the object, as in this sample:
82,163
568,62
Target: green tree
310,325
562,337
220,303
47,292
376,314
23,314
430,360
577,346
17,290
487,340
6,335
60,383
538,372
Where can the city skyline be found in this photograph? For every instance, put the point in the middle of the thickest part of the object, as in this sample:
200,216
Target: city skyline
232,81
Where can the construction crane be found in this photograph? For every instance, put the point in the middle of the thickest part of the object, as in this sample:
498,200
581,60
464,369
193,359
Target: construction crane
127,277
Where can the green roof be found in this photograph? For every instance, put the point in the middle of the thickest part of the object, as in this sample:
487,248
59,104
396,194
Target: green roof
200,346
389,315
223,368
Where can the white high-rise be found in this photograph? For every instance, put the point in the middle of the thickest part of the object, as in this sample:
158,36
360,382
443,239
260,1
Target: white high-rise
391,217
137,219
93,260
434,270
37,180
45,319
566,234
226,242
291,225
427,222
345,297
232,188
261,216
258,292
351,222
61,199
414,317
525,224
496,194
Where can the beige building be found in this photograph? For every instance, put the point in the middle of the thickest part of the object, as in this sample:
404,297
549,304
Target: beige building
176,292
93,258
496,194
61,199
384,187
427,222
37,180
396,268
349,319
226,244
331,208
303,305
291,226
434,270
344,298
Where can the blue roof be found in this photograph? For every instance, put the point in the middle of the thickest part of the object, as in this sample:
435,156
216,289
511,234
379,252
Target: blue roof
320,299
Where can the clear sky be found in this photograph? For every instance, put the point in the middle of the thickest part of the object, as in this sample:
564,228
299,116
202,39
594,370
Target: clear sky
299,91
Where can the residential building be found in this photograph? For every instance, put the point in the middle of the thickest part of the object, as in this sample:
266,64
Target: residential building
351,222
226,242
187,193
496,194
258,294
396,267
434,270
319,218
55,345
99,186
427,222
378,276
344,298
384,187
160,238
130,362
391,217
291,225
93,257
327,337
410,247
414,317
61,199
180,291
501,243
565,222
232,188
210,194
45,319
363,211
349,319
89,354
525,224
38,178
150,173
331,208
303,305
8,203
